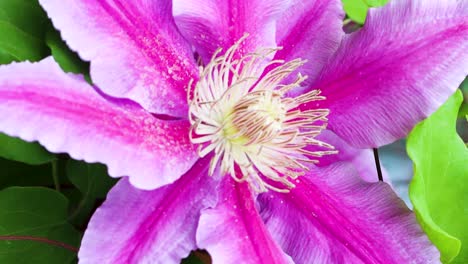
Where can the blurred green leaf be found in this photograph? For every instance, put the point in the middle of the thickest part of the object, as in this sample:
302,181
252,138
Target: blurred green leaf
357,9
23,24
91,179
374,3
16,173
439,189
19,150
33,227
93,182
66,58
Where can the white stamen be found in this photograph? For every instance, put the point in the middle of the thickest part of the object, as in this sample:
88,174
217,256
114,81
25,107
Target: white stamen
257,133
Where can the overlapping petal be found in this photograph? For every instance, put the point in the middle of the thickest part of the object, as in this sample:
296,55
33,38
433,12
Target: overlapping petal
310,30
334,217
406,61
134,47
38,101
211,24
362,159
233,231
136,226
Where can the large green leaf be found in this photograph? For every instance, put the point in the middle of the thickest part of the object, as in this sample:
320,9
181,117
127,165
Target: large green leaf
357,9
374,3
439,189
5,57
19,44
33,227
19,150
27,15
23,24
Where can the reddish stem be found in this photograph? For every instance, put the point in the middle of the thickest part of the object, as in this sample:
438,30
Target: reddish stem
43,240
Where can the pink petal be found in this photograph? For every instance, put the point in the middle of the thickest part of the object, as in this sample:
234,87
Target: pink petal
362,159
233,231
334,217
211,24
134,47
136,226
406,61
40,102
310,30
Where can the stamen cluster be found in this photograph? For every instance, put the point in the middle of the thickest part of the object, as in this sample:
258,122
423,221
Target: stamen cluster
244,115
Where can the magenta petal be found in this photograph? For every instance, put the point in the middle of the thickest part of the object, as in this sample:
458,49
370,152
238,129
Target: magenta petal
310,30
136,226
134,47
38,101
334,217
211,24
362,159
233,231
406,61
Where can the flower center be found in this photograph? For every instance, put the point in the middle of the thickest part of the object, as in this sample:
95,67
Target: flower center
256,119
256,132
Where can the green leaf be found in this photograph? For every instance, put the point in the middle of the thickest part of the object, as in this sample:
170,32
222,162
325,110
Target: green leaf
23,24
93,182
19,150
375,3
33,227
439,188
19,44
357,9
68,60
91,179
27,15
15,173
6,58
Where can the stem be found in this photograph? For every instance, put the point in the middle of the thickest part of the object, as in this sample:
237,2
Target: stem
55,175
377,164
42,240
85,197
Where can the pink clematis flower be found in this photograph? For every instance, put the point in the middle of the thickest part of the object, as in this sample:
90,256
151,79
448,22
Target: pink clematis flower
252,121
